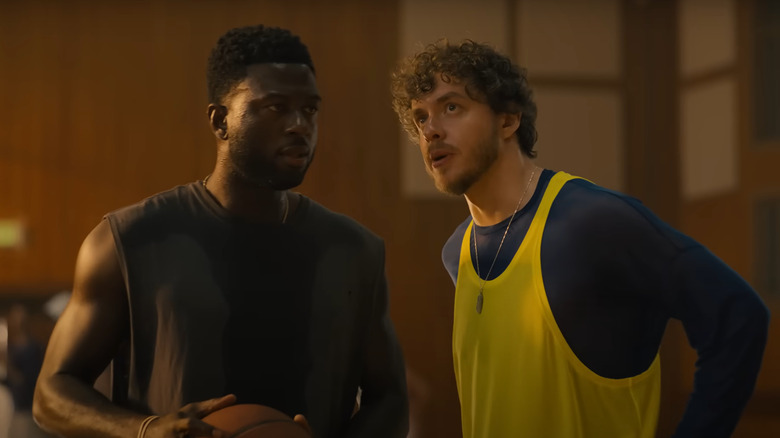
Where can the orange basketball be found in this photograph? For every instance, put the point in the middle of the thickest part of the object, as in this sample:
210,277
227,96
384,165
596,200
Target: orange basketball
255,421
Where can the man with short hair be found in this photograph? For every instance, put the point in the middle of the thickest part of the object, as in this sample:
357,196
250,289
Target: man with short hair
233,284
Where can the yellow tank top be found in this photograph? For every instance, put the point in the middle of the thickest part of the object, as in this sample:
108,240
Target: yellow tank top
517,376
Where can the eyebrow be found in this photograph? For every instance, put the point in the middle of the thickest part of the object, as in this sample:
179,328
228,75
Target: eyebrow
273,95
450,95
447,96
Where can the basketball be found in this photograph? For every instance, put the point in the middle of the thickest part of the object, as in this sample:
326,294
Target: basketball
255,421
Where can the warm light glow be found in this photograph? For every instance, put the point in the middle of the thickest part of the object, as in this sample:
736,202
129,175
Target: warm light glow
11,233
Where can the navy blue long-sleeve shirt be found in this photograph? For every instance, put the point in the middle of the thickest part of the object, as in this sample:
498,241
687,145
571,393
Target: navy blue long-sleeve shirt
614,274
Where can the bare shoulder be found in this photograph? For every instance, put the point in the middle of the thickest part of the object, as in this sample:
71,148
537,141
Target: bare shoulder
98,271
95,321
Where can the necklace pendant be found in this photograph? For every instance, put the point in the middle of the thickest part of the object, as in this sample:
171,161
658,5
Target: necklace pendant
480,299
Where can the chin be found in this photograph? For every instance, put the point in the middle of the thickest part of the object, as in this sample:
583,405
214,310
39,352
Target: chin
276,180
286,180
456,185
455,188
285,185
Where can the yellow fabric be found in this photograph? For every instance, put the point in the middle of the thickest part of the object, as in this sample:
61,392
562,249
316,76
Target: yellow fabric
517,376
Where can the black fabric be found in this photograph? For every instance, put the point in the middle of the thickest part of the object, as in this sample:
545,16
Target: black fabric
614,273
276,314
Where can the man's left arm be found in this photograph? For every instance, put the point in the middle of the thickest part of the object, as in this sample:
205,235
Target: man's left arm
727,323
384,406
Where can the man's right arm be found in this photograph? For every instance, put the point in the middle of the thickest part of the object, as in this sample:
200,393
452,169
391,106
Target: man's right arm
86,337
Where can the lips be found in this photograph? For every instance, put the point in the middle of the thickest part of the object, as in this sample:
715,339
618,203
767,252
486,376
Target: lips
296,150
295,155
438,157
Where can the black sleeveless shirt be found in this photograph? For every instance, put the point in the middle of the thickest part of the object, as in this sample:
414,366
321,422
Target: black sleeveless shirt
284,315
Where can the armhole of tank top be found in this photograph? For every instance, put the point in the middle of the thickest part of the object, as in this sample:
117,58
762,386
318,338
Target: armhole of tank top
561,342
119,367
465,264
119,250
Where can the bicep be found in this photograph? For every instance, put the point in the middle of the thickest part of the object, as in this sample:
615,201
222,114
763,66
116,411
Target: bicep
611,251
95,321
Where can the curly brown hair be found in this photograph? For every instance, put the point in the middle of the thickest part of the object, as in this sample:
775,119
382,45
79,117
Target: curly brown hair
488,75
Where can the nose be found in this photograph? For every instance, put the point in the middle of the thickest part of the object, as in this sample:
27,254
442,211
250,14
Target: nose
299,123
432,130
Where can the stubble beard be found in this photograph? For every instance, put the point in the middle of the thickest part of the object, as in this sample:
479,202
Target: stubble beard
482,157
260,170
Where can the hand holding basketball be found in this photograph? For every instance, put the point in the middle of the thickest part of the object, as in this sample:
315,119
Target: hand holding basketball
258,421
187,421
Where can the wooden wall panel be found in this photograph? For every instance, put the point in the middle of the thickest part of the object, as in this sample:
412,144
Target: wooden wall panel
652,154
724,222
103,103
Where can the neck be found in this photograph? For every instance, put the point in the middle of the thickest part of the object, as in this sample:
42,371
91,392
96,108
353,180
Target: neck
248,201
496,194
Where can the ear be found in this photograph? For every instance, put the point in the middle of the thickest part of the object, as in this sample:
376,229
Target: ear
218,120
509,124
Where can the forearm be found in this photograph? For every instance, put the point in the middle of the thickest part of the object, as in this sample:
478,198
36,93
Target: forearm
727,323
70,408
724,383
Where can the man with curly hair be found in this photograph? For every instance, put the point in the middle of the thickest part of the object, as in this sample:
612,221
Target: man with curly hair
231,288
563,288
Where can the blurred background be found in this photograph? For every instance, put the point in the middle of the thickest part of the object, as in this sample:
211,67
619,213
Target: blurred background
676,102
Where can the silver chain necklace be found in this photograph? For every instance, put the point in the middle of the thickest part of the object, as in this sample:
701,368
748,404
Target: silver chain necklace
480,297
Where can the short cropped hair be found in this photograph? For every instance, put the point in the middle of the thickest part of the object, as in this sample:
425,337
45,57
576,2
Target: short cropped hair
241,47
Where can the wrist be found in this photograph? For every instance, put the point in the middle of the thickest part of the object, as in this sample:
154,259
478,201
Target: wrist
145,425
